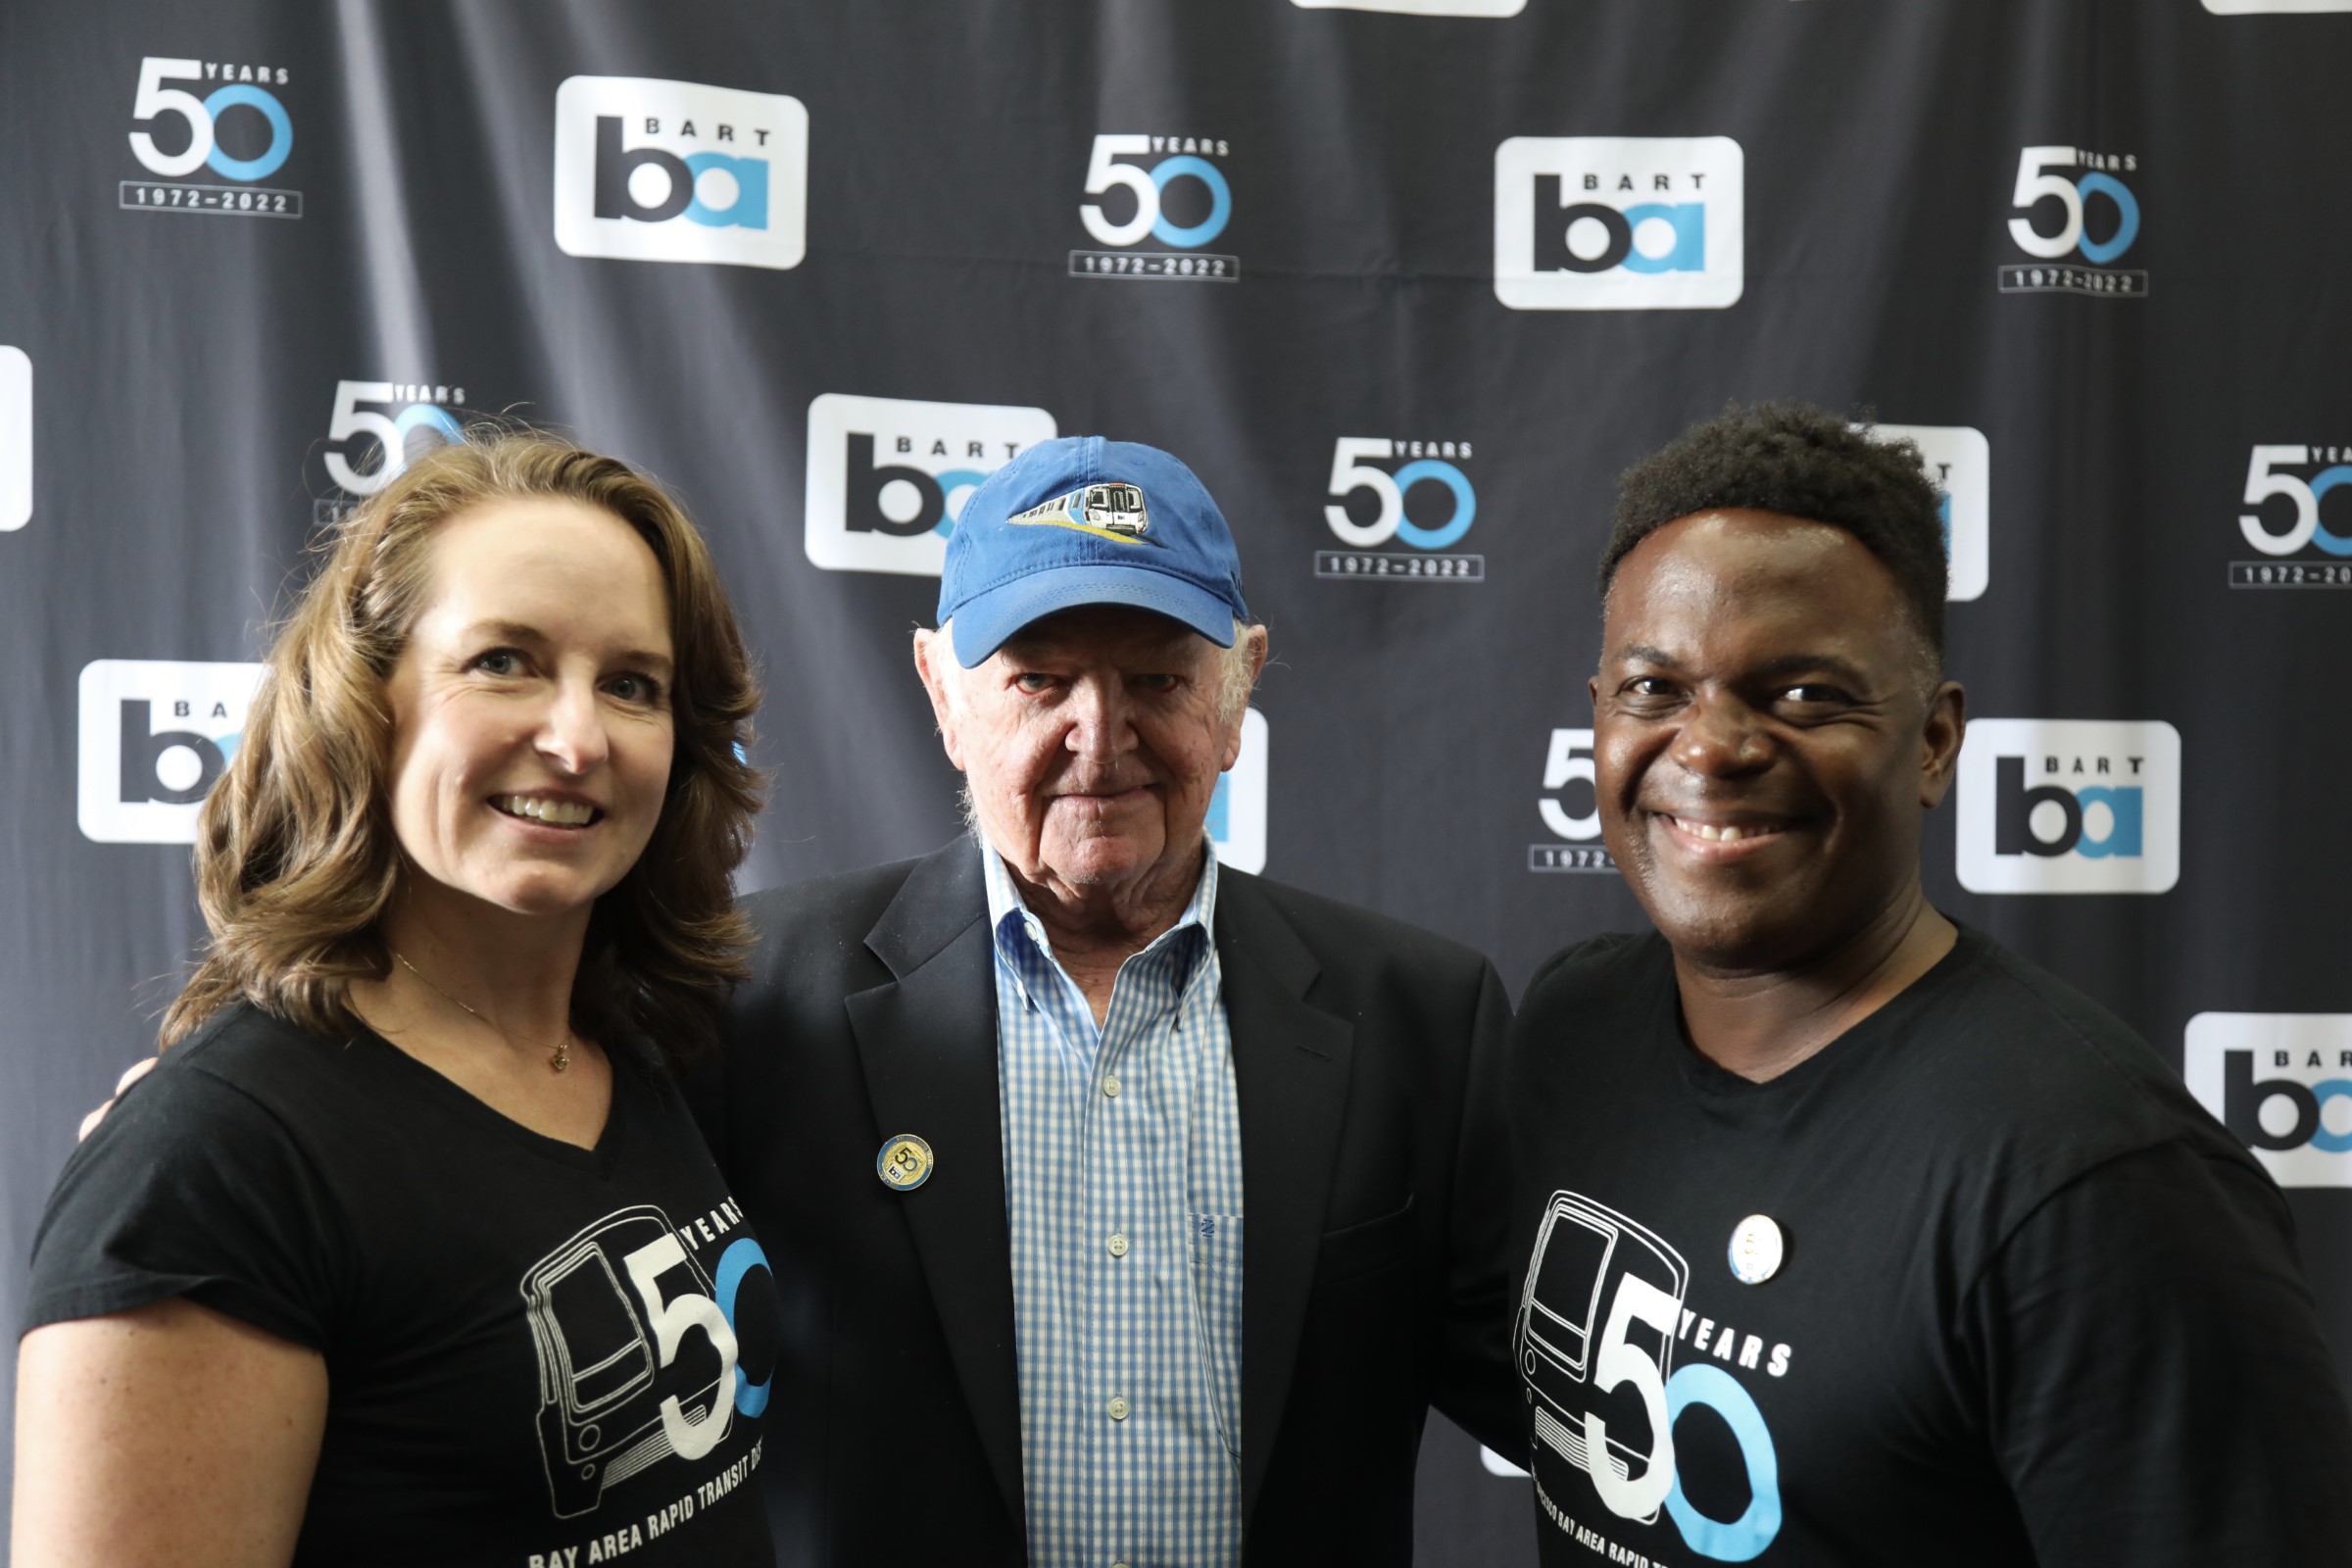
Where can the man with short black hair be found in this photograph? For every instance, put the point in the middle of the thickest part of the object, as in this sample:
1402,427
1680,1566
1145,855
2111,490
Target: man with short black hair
1955,1267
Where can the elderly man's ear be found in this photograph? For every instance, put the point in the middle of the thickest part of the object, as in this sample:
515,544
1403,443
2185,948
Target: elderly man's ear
1253,642
935,664
1256,636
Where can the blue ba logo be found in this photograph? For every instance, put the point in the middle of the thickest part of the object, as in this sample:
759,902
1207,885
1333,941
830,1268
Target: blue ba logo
1376,484
1237,811
678,191
1619,222
2019,808
2097,194
16,438
1176,196
2281,1083
2251,8
1426,8
156,735
888,476
1958,461
654,170
2269,477
2069,805
241,130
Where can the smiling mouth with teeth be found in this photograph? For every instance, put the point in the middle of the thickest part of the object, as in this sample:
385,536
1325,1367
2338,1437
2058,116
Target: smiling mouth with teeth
555,814
1726,833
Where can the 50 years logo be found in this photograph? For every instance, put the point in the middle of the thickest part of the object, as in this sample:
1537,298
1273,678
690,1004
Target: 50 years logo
2272,476
1570,813
376,445
1176,196
239,131
653,171
1373,496
2099,193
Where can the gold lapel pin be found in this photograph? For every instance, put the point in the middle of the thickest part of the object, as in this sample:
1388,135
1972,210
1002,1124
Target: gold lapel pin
905,1162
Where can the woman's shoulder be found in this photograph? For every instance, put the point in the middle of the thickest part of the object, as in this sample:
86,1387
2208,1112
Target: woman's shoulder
202,1181
247,1046
237,1067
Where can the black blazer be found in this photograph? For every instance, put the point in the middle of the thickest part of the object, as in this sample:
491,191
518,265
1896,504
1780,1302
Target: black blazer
1366,1058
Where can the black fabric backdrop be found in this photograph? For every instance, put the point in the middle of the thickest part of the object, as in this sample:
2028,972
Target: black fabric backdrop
399,223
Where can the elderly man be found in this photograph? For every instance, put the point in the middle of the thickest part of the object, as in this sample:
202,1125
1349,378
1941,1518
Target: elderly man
1955,1267
1126,1209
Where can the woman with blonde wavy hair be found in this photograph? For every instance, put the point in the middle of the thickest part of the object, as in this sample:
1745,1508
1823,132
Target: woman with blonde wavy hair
409,1251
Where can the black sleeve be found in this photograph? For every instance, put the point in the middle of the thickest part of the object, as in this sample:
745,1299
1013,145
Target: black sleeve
1476,1387
2159,1391
190,1187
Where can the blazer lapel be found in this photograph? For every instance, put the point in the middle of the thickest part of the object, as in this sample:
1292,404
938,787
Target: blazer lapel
927,1041
1289,1067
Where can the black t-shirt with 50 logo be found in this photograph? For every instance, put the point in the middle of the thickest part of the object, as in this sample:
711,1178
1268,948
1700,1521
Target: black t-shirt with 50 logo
1979,1284
537,1355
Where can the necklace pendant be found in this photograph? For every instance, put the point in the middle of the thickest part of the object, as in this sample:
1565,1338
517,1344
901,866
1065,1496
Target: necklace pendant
560,1062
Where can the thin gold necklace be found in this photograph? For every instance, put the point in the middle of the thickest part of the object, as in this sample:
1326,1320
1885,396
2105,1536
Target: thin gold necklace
559,1058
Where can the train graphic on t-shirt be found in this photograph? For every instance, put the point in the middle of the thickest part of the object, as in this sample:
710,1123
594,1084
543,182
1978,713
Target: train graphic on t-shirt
604,1370
1573,1309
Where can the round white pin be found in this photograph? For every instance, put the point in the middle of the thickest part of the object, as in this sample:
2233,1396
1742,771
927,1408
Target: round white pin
1756,1250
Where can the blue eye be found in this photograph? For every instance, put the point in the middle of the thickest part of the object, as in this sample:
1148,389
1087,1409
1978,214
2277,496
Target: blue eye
499,662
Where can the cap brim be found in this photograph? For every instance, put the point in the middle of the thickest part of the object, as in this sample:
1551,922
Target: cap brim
983,623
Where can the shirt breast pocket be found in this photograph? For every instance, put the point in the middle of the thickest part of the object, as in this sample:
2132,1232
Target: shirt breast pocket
1214,1242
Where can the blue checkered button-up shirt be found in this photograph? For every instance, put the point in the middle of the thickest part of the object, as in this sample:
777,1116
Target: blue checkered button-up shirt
1123,1190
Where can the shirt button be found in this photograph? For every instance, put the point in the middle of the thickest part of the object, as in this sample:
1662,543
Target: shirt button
1118,1244
1118,1408
1111,1086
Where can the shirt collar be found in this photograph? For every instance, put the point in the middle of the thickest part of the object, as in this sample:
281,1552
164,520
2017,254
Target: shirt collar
1006,909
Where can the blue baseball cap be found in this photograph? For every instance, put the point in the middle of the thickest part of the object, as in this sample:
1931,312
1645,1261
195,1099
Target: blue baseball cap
1081,520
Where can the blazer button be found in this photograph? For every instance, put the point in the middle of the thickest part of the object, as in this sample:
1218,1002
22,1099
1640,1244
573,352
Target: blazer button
1118,1408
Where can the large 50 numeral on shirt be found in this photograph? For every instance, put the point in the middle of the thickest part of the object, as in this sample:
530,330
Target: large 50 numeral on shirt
669,1321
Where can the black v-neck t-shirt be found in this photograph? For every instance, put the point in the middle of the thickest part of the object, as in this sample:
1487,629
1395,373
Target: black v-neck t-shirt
537,1355
2032,1305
